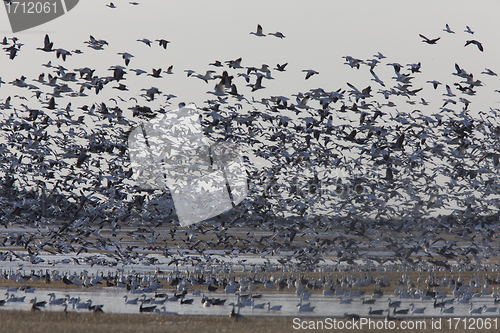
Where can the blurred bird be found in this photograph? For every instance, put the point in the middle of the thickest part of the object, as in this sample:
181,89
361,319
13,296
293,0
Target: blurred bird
310,72
448,30
163,43
429,41
259,31
473,41
277,34
47,47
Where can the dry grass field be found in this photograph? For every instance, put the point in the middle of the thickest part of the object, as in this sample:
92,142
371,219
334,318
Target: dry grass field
59,322
394,278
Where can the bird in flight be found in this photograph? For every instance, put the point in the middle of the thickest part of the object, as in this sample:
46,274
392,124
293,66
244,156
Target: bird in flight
258,84
379,56
47,47
448,30
156,73
145,41
468,30
163,43
473,41
310,72
488,71
259,31
281,68
126,56
62,53
216,63
434,83
429,41
277,34
12,51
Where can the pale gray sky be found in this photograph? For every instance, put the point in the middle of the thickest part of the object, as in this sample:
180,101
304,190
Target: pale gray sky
318,33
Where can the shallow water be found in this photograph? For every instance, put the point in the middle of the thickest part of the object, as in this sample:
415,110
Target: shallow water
328,306
113,297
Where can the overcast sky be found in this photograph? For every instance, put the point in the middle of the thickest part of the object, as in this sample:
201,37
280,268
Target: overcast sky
318,34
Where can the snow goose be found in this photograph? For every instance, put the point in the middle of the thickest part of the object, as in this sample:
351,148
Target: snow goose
394,304
258,83
488,71
169,70
234,314
305,307
163,43
380,56
434,83
375,312
281,68
163,311
47,47
473,41
147,308
345,301
475,311
79,305
14,299
429,41
130,301
145,41
328,291
208,76
490,309
416,310
259,32
257,306
274,307
372,63
368,301
277,34
62,53
55,301
156,73
448,30
38,304
126,56
309,72
400,311
447,310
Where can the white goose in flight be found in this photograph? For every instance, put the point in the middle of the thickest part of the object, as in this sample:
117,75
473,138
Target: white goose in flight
277,34
259,32
448,30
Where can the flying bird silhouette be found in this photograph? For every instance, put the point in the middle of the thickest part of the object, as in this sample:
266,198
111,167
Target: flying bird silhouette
473,41
429,41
